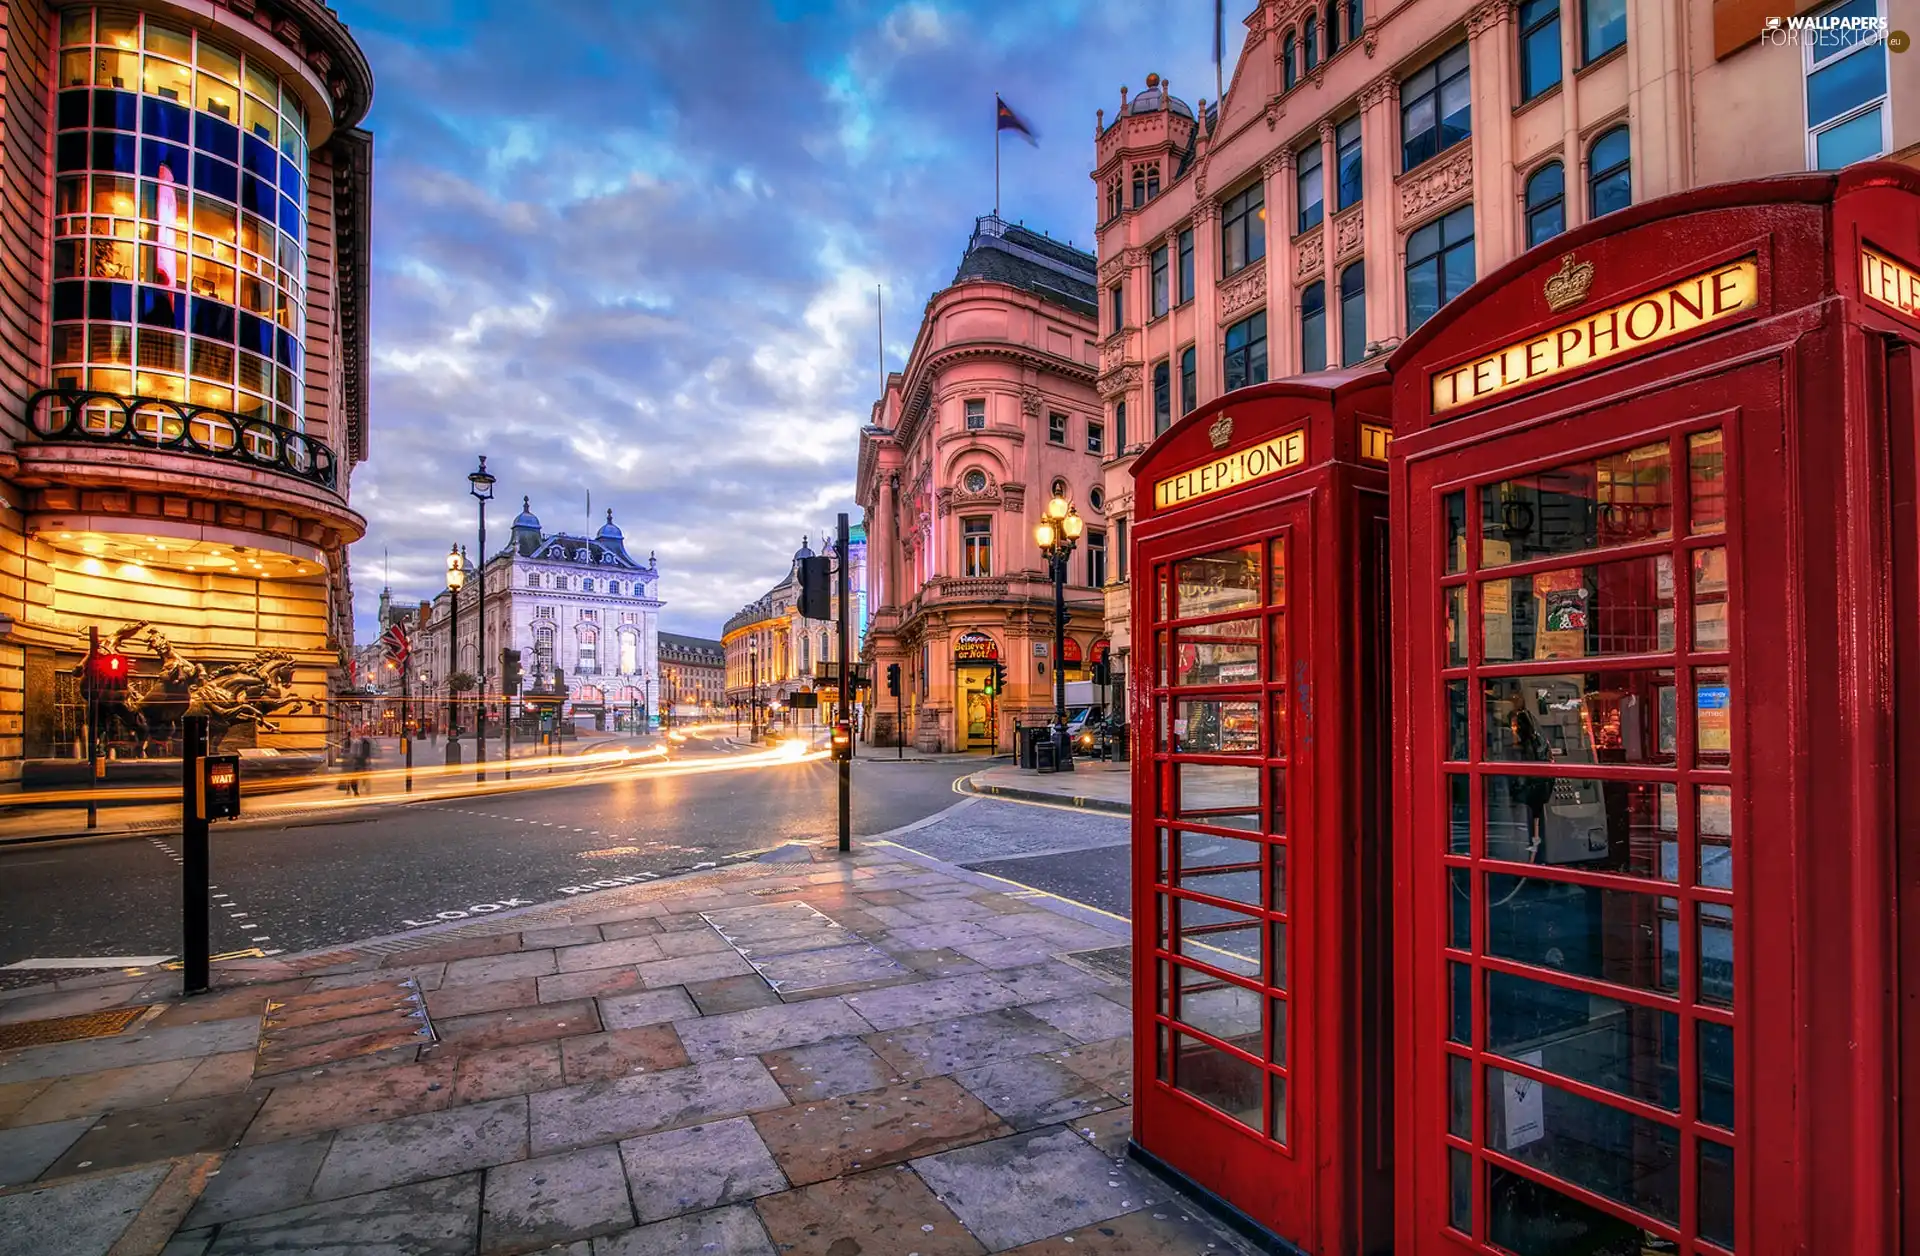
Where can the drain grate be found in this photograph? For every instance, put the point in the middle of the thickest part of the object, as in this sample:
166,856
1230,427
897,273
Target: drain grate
68,1028
326,1027
1109,961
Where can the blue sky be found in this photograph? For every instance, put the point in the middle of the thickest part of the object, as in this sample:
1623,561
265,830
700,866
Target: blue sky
630,249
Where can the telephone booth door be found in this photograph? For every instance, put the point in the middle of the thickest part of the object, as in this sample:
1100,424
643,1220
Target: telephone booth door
1246,703
1641,918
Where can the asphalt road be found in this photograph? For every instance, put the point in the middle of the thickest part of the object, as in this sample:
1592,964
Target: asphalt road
310,885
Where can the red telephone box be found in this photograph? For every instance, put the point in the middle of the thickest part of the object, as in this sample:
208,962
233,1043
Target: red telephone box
1655,700
1257,696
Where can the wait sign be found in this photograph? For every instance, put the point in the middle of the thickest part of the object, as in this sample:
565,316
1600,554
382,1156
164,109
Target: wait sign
1269,457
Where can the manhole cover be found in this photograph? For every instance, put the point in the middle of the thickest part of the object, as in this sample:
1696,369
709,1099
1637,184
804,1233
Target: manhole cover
312,1030
1109,961
68,1028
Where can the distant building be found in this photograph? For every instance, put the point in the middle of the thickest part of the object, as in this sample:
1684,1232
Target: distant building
994,415
790,650
693,675
580,606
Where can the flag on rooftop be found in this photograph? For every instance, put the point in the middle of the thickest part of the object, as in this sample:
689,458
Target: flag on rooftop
1005,119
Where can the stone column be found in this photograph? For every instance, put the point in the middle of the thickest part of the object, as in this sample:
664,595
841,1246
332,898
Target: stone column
1282,197
1573,165
1658,109
1206,283
1490,32
1379,162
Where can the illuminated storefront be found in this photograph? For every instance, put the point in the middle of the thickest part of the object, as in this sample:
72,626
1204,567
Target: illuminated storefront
178,453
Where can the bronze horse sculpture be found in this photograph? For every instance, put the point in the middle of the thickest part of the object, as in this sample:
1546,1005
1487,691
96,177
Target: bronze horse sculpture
226,693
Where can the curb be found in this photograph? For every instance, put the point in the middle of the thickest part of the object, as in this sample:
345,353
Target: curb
1014,794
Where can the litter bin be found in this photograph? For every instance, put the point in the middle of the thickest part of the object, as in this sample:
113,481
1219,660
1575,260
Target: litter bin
1045,758
1029,739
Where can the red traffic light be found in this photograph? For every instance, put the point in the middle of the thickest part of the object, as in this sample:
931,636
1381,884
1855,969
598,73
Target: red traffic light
843,740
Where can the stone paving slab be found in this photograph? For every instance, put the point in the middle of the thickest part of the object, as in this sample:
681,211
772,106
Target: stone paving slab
968,1041
1029,1091
883,1210
816,1141
699,1167
139,1135
503,1071
620,1052
147,1046
1062,1182
94,1093
260,1179
411,1149
829,968
771,1028
823,1070
1085,1017
649,1007
730,994
27,1150
354,1099
521,1024
599,1112
680,970
731,1231
554,1199
437,1218
79,1218
932,1000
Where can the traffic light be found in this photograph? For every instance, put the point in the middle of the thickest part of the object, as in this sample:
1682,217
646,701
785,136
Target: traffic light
103,677
893,680
997,678
509,671
1102,673
843,740
816,588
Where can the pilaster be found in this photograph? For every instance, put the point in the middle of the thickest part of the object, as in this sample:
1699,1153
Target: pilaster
1282,196
1329,196
1380,157
1206,274
1490,35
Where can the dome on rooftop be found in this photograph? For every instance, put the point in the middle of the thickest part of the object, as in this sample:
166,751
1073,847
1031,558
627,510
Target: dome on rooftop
803,551
610,532
1148,101
526,517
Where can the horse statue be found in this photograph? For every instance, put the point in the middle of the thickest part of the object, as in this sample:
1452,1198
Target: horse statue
227,694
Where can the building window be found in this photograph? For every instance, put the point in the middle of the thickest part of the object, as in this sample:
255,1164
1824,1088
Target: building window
1245,360
1096,558
1356,19
975,481
1609,177
1603,27
542,655
1333,27
1186,266
1353,314
192,227
1162,396
1243,229
1435,108
1539,46
1119,426
1313,328
1096,437
976,410
1120,550
1846,71
629,653
1288,76
1113,197
1546,203
1311,197
1310,41
1159,274
1056,427
1189,385
1439,264
590,615
1117,304
586,586
976,547
1346,140
1059,486
1146,184
533,579
1097,498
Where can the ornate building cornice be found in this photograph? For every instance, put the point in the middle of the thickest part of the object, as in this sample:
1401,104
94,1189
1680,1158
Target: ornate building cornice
1309,254
1437,184
1485,17
1349,231
1383,89
1243,291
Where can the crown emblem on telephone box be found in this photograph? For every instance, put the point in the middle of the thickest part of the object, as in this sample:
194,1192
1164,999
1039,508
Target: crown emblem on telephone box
1568,285
1221,431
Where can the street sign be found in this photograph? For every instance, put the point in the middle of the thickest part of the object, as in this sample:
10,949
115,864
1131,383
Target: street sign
804,700
219,787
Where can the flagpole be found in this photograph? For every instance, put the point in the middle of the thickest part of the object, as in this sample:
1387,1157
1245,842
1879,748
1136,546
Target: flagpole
996,154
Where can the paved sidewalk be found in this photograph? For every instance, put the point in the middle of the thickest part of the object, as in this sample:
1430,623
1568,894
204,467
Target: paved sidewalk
1095,784
812,1054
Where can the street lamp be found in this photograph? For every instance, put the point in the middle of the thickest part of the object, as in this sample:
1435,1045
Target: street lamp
456,577
1057,532
753,691
482,491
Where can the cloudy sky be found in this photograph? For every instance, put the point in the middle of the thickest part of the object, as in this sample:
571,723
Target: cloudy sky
628,248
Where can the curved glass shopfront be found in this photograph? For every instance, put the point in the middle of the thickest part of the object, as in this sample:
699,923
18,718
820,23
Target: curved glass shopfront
179,219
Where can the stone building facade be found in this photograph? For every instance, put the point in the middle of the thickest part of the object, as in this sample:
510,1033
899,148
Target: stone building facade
1369,162
578,605
183,393
693,676
790,650
994,414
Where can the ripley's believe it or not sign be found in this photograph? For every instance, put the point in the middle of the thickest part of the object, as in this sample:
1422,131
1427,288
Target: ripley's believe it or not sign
1242,466
1673,310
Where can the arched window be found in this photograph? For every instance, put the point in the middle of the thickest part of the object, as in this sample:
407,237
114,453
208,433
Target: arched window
1288,76
629,653
589,655
1609,173
1162,397
806,655
1310,40
1153,181
542,655
1313,328
1333,27
1353,314
1139,186
1546,203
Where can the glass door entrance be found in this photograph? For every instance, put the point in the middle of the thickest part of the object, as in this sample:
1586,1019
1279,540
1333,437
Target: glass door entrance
1223,1043
1588,946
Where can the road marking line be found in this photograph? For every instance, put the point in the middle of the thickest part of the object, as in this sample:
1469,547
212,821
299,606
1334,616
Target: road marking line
88,961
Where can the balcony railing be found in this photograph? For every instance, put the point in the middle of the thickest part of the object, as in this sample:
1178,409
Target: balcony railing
76,416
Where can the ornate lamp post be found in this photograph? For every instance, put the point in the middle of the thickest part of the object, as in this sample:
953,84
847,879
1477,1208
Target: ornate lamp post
753,691
456,578
1057,532
482,491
